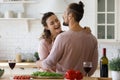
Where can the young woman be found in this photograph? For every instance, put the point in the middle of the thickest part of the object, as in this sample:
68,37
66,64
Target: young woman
52,28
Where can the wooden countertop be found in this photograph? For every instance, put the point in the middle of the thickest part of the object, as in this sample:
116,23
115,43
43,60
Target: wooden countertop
21,65
85,78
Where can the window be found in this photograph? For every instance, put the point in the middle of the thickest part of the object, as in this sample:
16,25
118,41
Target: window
106,19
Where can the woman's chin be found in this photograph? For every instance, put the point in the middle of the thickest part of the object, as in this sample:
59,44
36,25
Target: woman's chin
58,31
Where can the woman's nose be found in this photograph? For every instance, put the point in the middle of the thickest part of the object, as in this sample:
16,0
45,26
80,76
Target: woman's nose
56,23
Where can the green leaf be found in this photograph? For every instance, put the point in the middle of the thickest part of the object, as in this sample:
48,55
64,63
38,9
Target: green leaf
45,74
115,64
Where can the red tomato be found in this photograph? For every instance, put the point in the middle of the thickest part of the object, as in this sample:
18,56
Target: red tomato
15,77
22,77
70,74
79,75
27,77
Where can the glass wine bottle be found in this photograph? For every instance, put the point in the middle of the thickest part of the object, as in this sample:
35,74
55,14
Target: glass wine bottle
104,64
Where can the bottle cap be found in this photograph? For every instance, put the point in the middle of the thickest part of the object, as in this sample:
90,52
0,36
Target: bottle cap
104,51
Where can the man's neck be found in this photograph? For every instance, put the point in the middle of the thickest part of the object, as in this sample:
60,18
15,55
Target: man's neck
75,26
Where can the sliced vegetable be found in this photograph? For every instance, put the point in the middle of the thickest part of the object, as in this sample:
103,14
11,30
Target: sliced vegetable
25,77
38,73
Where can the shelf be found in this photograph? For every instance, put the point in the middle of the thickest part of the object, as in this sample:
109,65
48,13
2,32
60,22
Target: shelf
19,18
17,2
26,21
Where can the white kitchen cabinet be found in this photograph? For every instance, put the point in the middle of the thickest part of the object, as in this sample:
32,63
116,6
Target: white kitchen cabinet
106,20
19,1
16,10
118,21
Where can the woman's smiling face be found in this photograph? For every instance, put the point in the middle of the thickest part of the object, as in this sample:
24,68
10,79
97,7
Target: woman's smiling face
53,24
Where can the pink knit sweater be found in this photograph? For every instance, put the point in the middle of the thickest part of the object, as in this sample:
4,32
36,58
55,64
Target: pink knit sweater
69,51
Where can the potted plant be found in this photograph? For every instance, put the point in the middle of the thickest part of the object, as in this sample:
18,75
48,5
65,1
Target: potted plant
36,55
115,68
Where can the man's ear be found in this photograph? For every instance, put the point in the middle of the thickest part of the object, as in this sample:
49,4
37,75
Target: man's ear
70,16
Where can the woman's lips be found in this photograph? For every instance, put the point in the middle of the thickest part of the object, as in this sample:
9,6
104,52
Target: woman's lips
57,28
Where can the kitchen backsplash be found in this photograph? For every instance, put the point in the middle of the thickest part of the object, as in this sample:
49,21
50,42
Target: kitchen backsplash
14,34
112,50
24,35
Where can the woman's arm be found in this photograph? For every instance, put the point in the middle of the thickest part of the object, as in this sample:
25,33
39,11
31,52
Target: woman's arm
43,50
54,56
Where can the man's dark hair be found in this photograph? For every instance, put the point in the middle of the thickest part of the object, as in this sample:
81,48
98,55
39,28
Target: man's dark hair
77,10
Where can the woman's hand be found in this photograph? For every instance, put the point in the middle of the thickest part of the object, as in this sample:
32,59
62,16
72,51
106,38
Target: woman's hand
39,64
87,29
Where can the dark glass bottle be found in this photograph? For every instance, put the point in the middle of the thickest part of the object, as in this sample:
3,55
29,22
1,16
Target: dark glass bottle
104,65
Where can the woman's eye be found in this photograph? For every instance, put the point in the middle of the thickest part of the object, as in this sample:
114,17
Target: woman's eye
56,20
51,23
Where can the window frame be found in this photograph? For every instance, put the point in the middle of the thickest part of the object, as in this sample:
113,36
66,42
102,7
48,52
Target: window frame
106,24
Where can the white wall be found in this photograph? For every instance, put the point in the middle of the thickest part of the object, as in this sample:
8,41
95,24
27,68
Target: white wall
14,33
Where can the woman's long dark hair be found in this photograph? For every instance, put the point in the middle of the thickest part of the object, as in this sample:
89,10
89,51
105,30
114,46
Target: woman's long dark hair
46,33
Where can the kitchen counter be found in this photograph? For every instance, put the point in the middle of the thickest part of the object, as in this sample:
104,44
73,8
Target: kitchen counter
85,78
28,71
27,68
